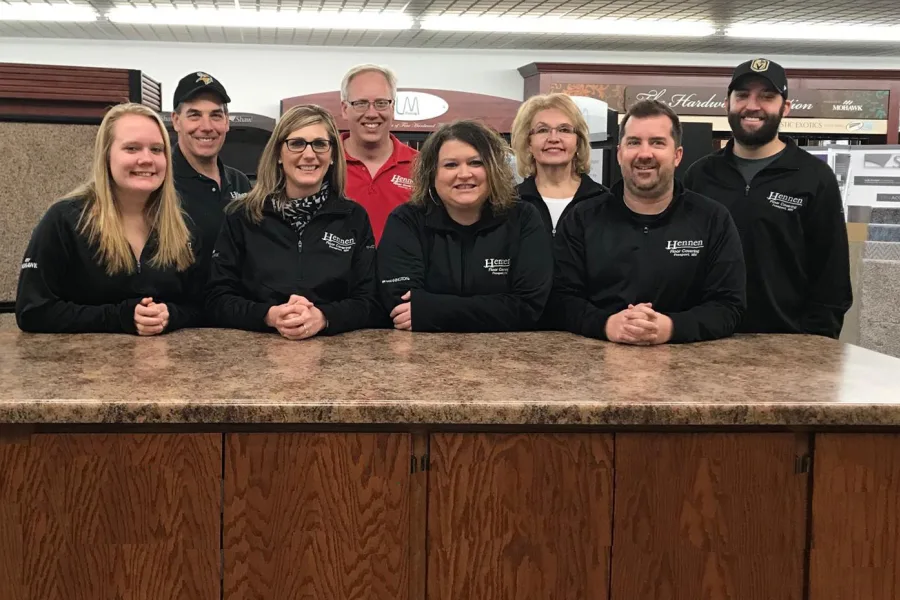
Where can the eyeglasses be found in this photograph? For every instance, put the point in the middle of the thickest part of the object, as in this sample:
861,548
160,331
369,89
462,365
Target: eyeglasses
319,145
362,106
544,131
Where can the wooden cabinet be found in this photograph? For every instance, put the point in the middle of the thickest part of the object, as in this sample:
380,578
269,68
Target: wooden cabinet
317,515
856,518
491,516
711,516
519,517
110,517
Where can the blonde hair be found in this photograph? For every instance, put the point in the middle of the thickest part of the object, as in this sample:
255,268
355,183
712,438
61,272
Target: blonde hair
270,180
492,148
368,68
101,220
521,128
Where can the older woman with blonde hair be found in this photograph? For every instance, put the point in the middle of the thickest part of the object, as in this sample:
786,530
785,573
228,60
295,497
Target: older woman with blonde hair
114,255
553,153
463,254
295,255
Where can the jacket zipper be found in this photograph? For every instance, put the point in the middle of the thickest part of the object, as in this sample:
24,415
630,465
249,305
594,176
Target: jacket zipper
462,256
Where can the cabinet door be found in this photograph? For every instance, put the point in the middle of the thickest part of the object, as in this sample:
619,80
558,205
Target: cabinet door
856,518
519,517
323,516
110,517
709,516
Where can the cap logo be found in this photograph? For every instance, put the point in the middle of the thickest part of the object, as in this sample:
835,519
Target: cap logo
759,65
206,79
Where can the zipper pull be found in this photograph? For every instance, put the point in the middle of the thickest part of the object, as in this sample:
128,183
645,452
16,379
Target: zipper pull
747,190
646,229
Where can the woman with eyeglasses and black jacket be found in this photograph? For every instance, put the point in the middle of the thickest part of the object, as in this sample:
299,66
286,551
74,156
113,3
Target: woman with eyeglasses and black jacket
295,255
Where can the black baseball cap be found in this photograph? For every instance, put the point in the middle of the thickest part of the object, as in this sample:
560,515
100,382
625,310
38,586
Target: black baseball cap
765,68
193,84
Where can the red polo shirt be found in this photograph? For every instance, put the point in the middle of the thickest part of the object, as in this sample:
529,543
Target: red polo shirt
390,187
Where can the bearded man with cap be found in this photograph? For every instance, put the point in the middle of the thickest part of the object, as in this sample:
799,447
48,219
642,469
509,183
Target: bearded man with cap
787,207
205,184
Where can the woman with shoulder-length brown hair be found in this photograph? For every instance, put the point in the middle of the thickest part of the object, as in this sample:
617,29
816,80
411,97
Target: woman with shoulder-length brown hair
464,254
295,255
115,254
553,153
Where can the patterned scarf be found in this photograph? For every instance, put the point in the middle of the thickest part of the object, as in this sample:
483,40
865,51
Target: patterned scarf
297,212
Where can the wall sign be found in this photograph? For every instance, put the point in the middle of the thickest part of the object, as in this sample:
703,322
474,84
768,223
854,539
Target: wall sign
419,106
861,106
426,109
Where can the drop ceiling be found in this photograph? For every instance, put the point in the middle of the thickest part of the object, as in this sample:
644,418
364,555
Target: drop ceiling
720,13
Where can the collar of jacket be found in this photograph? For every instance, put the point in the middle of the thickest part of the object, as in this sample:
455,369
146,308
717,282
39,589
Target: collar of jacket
436,217
588,188
334,205
183,168
788,159
618,193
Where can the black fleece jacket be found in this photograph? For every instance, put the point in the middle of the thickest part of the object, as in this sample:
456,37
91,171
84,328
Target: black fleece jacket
794,236
494,275
686,260
64,289
259,265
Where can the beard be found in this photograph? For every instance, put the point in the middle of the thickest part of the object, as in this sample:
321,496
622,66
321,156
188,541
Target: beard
766,132
652,189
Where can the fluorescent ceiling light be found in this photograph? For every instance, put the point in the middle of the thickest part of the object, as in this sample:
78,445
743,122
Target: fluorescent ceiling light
273,19
70,13
650,28
823,33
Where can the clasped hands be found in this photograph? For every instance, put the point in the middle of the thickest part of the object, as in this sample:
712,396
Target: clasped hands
296,319
402,313
150,318
639,325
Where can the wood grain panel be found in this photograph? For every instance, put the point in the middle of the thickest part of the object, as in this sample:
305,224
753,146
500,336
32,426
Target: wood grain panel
110,517
856,518
319,516
709,517
519,517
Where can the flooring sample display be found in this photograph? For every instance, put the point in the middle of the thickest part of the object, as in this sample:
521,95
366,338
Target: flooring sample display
41,162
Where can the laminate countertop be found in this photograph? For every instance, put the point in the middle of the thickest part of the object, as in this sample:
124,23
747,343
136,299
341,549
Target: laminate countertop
391,377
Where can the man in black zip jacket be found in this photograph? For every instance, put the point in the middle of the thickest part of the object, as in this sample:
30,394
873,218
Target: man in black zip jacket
787,207
205,184
528,192
649,262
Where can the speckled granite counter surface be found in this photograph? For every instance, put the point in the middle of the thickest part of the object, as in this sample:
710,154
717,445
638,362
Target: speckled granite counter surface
223,376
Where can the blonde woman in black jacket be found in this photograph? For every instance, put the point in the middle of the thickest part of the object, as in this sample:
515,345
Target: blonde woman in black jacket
295,255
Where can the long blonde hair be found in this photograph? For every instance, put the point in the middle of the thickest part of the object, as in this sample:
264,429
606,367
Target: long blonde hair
520,135
101,220
270,181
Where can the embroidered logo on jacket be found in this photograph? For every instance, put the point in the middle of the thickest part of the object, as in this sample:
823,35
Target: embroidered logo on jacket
29,265
684,247
336,243
497,266
402,182
785,202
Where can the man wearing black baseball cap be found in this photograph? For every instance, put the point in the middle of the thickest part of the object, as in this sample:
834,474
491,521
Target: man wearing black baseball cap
205,184
788,209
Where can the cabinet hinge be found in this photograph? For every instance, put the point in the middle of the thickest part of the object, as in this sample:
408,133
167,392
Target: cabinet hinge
802,463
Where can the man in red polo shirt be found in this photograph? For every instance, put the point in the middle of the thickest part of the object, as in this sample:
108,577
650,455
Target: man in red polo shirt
378,164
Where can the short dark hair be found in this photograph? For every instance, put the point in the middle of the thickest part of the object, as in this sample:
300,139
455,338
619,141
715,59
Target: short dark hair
653,108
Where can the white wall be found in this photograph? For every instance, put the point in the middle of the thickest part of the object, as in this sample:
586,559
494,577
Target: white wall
258,77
